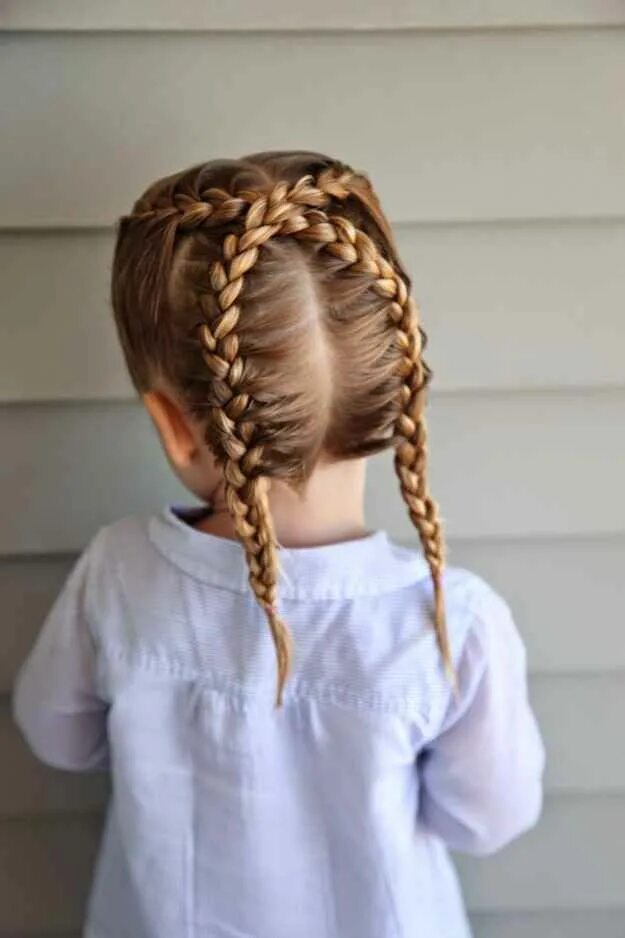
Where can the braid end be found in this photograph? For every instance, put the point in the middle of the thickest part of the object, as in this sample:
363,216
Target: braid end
283,644
440,628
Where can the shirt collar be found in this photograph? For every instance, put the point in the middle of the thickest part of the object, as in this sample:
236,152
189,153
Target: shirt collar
363,566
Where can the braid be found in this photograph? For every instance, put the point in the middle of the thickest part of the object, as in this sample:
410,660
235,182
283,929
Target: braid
298,210
358,250
245,486
410,465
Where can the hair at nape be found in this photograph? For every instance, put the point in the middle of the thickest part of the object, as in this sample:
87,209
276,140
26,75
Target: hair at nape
268,291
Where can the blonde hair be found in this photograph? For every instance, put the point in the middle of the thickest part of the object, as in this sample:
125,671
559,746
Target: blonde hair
245,283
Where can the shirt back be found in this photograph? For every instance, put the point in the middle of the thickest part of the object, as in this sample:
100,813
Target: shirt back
327,818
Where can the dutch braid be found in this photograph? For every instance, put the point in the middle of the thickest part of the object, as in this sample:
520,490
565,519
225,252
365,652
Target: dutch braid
245,487
300,210
297,210
358,250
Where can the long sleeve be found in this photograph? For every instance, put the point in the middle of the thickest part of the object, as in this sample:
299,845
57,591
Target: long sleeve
481,777
55,699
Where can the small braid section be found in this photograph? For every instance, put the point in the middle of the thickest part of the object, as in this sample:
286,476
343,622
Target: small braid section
298,211
216,207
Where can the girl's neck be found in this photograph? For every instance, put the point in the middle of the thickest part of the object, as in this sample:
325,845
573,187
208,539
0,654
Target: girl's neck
330,510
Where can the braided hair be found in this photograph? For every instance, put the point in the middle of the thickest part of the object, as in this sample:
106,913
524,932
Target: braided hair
196,298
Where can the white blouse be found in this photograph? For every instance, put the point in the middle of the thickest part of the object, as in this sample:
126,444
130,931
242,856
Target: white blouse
329,818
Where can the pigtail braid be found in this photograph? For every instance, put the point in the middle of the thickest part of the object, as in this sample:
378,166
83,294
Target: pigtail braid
299,210
357,249
245,486
411,462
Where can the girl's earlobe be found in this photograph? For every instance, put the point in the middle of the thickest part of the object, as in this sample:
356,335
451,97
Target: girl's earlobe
173,426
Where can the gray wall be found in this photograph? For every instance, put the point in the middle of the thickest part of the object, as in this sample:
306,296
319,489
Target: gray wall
495,133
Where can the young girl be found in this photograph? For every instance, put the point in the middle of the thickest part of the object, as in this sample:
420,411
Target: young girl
267,322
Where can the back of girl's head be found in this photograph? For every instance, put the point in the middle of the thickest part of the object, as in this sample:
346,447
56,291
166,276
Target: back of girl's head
268,293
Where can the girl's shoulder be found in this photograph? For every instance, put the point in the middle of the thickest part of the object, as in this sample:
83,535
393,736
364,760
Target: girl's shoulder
472,602
477,612
118,560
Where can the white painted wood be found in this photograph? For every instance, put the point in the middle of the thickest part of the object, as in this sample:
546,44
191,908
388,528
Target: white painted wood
39,934
450,125
98,459
521,305
45,871
567,626
577,924
581,719
527,306
517,465
574,859
29,788
509,465
568,596
58,336
295,14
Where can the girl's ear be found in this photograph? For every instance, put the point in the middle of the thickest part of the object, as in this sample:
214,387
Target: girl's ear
174,428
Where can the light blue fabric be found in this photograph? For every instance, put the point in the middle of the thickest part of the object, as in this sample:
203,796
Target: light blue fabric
329,818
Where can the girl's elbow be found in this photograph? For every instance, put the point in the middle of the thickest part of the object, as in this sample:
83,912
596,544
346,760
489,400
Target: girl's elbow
505,820
69,757
66,742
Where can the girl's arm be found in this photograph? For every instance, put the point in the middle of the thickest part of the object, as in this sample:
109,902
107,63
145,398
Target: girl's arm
55,699
481,777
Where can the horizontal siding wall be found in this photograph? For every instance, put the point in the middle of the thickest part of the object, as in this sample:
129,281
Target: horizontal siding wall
495,134
509,925
247,15
561,924
481,126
